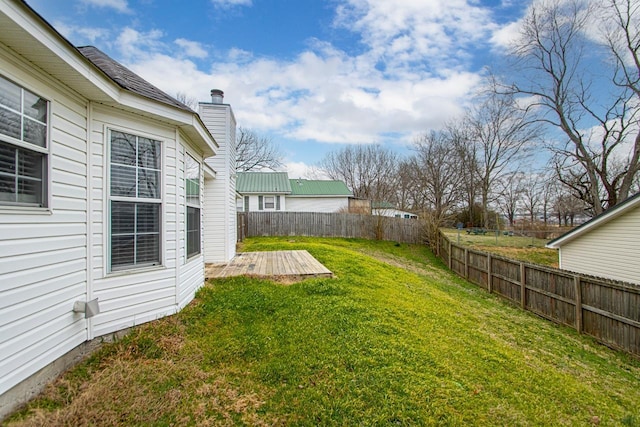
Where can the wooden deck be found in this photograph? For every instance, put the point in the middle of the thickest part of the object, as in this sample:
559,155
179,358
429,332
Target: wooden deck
286,266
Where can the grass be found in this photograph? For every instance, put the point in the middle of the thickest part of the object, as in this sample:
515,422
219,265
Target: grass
527,249
393,340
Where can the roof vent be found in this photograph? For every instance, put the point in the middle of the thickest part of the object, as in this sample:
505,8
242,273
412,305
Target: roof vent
217,96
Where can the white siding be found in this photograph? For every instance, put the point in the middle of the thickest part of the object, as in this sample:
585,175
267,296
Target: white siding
43,251
191,270
52,257
128,298
317,204
219,192
254,204
611,250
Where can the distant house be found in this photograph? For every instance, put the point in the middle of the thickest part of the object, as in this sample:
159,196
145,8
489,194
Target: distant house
606,246
318,196
103,184
388,209
262,191
274,191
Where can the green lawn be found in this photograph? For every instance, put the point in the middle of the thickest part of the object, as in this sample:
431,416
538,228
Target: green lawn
394,339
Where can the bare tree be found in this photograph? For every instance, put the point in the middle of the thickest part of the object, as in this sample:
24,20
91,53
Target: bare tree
600,156
501,137
370,171
189,101
510,190
533,194
437,177
255,152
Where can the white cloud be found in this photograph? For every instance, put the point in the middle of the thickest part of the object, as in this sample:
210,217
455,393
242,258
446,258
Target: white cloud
413,31
224,4
303,170
191,48
81,35
409,77
140,45
506,36
119,5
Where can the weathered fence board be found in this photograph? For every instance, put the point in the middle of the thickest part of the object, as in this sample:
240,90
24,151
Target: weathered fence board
332,225
607,310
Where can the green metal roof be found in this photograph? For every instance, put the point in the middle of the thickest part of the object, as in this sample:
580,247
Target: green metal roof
307,187
263,182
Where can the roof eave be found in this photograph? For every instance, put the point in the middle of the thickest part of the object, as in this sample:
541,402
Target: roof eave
595,222
32,37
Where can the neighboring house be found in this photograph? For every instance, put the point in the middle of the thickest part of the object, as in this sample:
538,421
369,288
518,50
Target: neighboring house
274,191
262,191
318,196
102,178
388,209
606,246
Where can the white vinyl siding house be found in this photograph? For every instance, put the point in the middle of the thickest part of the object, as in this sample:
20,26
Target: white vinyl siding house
220,182
105,207
606,246
274,191
317,204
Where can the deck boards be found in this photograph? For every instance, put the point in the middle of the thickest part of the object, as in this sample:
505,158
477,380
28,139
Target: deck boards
291,265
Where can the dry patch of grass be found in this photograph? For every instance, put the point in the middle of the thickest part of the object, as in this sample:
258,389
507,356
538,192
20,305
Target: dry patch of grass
520,248
542,256
392,340
152,377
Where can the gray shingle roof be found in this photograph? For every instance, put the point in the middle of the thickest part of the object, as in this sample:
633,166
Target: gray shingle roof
127,79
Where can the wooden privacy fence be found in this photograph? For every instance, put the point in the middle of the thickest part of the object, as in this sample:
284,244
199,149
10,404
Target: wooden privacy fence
330,225
609,311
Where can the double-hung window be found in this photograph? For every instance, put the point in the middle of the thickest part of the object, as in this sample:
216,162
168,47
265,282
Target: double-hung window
135,200
269,202
23,146
192,197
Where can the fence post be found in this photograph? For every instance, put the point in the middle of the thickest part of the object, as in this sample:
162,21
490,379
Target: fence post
449,253
523,286
489,274
578,287
466,263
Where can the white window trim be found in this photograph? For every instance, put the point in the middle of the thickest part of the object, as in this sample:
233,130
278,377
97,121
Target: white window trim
107,129
200,206
264,202
48,182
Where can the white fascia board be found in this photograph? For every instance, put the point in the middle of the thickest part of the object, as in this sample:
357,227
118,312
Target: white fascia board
28,34
593,223
188,122
47,49
208,170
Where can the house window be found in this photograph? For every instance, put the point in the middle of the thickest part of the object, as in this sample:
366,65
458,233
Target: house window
23,146
192,189
269,202
135,201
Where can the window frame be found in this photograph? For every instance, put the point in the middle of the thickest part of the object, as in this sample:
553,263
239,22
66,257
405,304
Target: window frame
21,145
190,205
109,198
273,202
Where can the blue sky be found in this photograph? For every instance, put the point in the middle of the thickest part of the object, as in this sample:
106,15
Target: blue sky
312,75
